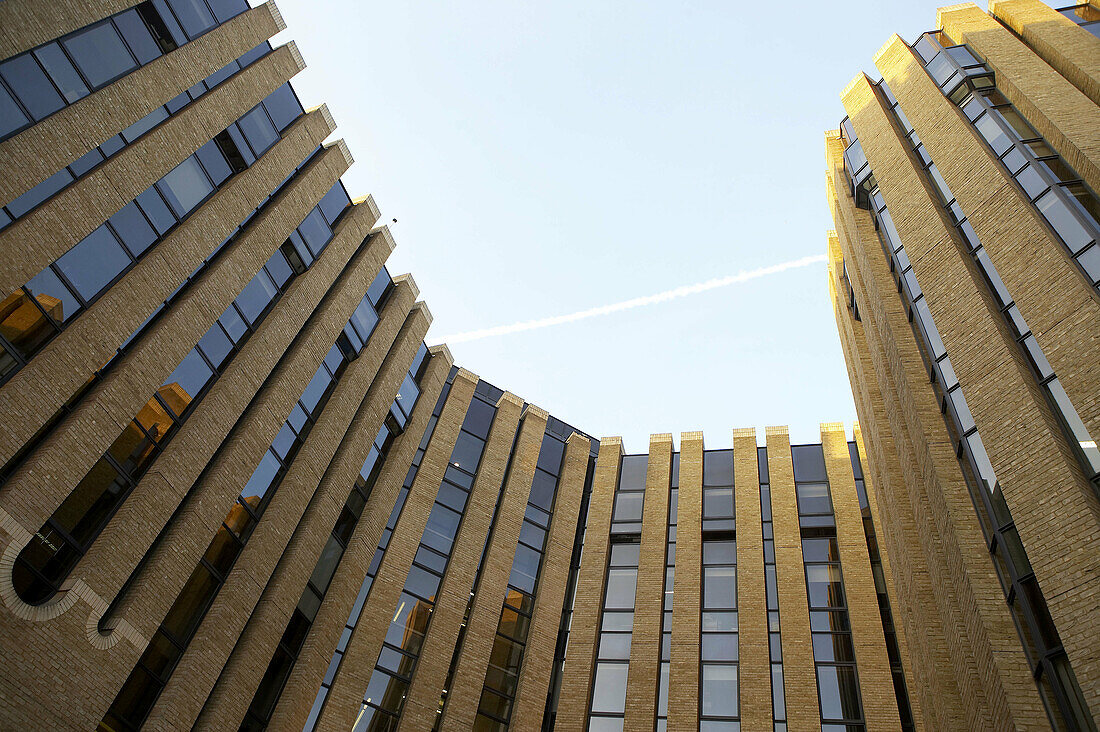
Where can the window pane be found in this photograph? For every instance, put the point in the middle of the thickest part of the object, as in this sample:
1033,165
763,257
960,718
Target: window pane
11,116
720,587
137,36
184,186
524,568
467,452
133,229
193,15
100,53
315,390
214,162
625,555
62,72
94,262
258,130
56,299
1063,221
284,108
190,376
315,231
621,585
30,83
441,528
615,646
824,586
814,498
719,647
256,296
717,502
719,691
838,692
261,479
609,691
628,506
422,583
719,552
385,691
24,325
157,211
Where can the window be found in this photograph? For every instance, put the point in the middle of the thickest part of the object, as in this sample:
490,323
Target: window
94,262
100,53
185,186
609,690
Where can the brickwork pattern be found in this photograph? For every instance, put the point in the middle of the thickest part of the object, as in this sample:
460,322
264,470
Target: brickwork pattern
41,150
302,685
754,667
378,374
803,712
346,695
538,656
645,646
683,695
422,702
1070,49
584,634
876,688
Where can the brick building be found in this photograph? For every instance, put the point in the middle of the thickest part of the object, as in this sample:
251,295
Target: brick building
238,490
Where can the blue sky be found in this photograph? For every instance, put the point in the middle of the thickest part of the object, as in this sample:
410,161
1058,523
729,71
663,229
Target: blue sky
548,158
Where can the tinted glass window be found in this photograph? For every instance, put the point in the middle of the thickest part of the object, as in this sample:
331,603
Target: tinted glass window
30,84
628,506
717,502
441,528
621,584
364,319
633,470
193,15
216,345
838,691
284,108
719,692
337,198
137,36
315,231
718,467
550,454
315,389
625,555
53,296
157,211
260,479
191,374
609,691
479,416
94,262
100,53
542,490
258,130
524,568
62,72
719,587
378,288
467,452
11,116
255,296
813,498
40,193
133,229
214,162
184,186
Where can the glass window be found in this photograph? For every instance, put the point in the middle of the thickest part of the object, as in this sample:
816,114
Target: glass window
284,108
441,528
717,502
11,116
214,162
719,647
54,297
1062,220
988,128
632,472
258,130
719,587
628,506
550,455
184,186
718,467
615,646
467,452
809,463
40,193
813,498
422,583
256,296
621,585
542,489
833,647
824,586
838,691
260,480
378,289
719,552
609,691
133,229
137,36
30,83
154,207
386,692
315,231
96,260
625,555
100,53
190,376
62,72
605,724
364,319
479,416
719,691
193,15
525,567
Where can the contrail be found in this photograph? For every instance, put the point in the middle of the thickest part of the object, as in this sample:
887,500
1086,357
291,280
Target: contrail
637,302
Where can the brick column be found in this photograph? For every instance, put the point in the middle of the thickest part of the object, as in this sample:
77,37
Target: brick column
346,696
754,668
645,653
542,636
683,686
584,635
876,687
803,712
425,690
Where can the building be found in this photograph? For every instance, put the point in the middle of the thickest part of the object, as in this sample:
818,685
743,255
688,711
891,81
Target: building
238,490
963,270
